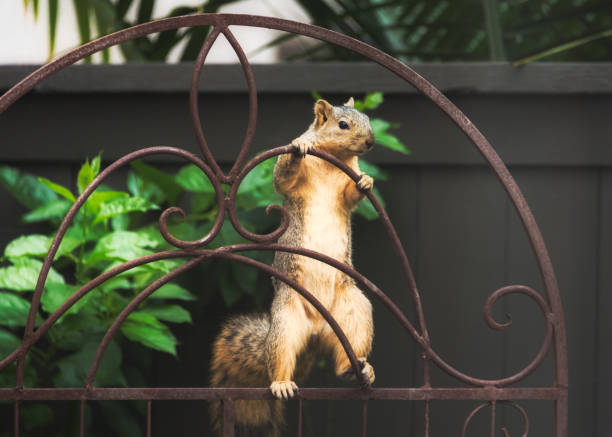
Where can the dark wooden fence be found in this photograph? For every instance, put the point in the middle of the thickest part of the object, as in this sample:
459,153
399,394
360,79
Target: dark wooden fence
552,125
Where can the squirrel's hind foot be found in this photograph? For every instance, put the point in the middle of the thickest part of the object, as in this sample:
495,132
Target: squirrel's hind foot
283,389
366,370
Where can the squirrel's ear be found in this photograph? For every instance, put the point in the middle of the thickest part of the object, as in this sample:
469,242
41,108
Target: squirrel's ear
350,102
322,110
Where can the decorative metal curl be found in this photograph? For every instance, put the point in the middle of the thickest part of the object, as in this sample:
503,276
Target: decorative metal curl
231,200
531,366
220,23
492,404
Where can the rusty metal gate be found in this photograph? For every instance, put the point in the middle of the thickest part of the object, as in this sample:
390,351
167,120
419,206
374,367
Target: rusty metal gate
491,392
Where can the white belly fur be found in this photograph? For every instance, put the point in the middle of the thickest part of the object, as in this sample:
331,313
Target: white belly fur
325,231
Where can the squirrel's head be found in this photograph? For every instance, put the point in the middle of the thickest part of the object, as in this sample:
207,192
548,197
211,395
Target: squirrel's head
342,130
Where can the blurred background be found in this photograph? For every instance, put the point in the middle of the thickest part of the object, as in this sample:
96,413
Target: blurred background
411,30
535,76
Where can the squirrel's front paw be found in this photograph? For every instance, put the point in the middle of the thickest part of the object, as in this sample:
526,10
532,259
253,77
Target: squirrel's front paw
365,182
302,147
283,389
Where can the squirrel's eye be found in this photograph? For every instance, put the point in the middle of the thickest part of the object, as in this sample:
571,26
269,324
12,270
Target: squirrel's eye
343,125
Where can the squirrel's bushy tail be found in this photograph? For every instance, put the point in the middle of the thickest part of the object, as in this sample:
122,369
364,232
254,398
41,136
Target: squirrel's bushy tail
238,361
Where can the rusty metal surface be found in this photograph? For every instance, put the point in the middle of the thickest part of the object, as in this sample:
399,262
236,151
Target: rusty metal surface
494,392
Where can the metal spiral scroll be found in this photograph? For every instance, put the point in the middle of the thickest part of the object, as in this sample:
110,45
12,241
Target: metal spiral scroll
493,405
550,307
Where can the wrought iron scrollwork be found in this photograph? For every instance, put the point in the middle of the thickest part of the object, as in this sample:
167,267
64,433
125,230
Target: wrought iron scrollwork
196,250
492,427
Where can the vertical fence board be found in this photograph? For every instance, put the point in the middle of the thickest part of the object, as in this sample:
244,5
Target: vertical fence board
565,204
603,381
461,261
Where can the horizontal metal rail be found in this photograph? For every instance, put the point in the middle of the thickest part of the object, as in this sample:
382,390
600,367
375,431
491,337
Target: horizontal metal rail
240,393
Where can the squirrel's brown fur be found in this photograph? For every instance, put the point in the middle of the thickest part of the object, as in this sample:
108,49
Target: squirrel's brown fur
276,349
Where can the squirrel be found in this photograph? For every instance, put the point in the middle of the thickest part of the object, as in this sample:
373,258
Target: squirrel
279,348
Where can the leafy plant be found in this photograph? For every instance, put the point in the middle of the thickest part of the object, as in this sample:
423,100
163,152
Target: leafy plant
445,30
111,228
411,30
96,18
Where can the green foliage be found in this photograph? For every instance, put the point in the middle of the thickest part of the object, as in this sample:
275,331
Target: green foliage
446,30
96,18
111,228
411,30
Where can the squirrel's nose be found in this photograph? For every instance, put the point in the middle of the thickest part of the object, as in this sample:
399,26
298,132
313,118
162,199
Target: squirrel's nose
370,141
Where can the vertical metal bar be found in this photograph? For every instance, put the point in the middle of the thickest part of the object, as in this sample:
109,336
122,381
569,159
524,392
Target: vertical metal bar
427,412
492,429
149,418
16,418
561,414
299,418
82,420
364,418
228,418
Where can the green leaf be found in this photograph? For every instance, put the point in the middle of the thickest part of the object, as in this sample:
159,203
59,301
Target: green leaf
36,415
73,369
53,8
145,9
8,341
77,330
165,182
385,139
55,209
138,187
245,276
146,329
168,313
257,188
87,173
26,188
120,222
197,36
117,283
567,45
374,171
56,294
122,7
33,245
261,175
371,101
62,191
22,276
122,246
365,208
316,96
13,310
83,10
96,200
201,202
122,205
230,290
191,178
172,291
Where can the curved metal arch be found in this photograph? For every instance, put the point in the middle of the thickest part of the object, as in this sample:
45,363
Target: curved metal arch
220,22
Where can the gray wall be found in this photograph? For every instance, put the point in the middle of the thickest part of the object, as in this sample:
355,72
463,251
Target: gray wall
550,124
